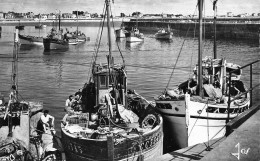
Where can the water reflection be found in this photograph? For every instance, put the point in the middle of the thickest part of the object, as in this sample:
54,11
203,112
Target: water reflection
164,41
28,47
54,64
134,45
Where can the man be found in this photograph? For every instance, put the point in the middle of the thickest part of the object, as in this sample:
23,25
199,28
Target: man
68,103
45,120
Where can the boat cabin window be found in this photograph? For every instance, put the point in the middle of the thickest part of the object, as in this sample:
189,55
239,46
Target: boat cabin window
238,72
103,81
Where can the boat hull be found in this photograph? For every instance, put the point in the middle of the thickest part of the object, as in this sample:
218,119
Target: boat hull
185,127
50,44
82,149
165,36
30,40
134,39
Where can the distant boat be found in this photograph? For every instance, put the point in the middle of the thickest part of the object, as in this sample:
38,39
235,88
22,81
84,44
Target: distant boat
134,36
164,34
30,40
76,37
55,43
40,26
55,40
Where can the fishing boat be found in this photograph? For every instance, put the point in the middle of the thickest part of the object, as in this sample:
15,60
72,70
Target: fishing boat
40,26
30,40
18,120
164,34
109,121
134,36
199,108
76,37
55,39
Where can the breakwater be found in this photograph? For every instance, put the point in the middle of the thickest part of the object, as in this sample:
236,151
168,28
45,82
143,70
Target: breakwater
228,30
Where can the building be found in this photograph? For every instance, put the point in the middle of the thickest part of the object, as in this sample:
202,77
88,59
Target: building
2,15
229,14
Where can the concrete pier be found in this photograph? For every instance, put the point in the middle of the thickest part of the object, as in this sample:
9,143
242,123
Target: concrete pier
242,144
224,30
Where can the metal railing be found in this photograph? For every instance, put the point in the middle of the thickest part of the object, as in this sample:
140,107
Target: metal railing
251,88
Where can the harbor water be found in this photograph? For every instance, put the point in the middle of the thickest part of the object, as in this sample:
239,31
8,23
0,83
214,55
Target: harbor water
51,76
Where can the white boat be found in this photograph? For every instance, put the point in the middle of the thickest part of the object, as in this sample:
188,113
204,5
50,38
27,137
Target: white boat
109,121
192,115
134,36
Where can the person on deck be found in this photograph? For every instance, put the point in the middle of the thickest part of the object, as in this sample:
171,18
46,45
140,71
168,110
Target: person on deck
68,103
47,120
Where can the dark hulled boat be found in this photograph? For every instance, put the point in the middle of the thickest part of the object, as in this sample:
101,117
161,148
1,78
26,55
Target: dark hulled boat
30,40
115,123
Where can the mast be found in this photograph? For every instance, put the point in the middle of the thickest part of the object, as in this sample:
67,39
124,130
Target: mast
77,22
14,81
59,20
200,49
215,28
109,31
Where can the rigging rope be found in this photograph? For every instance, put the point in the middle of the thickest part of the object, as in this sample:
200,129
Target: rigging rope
98,41
179,52
117,41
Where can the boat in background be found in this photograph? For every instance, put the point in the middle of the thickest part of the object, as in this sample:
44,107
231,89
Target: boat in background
107,121
198,109
164,34
134,36
55,39
76,37
30,40
40,26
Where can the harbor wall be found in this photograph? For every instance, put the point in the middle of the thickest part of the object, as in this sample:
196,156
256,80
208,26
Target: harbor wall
223,30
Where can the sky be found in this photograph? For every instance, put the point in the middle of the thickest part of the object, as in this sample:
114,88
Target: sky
185,7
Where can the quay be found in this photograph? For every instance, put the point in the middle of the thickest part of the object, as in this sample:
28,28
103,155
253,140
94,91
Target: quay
224,29
242,144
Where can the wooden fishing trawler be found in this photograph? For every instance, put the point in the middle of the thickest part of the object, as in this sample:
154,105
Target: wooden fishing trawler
55,39
115,123
18,121
198,109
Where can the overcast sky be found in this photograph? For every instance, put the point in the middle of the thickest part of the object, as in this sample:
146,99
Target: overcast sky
129,6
